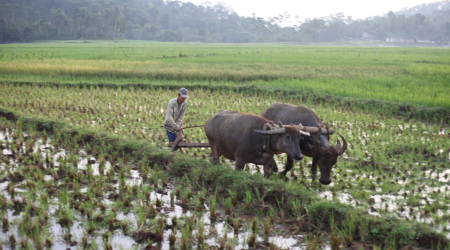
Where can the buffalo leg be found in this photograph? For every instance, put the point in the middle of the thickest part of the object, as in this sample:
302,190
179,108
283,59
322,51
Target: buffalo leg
239,164
269,166
215,154
274,167
289,165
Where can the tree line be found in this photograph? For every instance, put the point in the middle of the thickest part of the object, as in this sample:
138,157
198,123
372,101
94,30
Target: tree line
30,20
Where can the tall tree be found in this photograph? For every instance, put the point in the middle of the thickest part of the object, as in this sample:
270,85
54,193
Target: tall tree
118,16
59,18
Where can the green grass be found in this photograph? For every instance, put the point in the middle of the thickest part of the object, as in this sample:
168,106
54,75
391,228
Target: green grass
292,197
225,53
418,76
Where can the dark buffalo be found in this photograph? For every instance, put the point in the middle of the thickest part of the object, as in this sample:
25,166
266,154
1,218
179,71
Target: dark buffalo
316,146
241,137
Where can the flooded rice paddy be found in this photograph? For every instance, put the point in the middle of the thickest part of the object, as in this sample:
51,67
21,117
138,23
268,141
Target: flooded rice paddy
393,167
56,198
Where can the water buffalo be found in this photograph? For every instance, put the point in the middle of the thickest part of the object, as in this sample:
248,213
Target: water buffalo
241,137
316,146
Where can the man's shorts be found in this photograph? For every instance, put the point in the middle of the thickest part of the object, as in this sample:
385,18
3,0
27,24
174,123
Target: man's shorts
172,136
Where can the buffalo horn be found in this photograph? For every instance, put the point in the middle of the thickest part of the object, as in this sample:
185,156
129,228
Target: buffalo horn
338,146
278,131
301,128
304,133
317,144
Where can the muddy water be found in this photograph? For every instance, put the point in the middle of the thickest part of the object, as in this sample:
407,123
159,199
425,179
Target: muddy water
118,238
381,202
434,188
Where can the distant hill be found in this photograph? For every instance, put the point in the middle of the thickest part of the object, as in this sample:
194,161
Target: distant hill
425,9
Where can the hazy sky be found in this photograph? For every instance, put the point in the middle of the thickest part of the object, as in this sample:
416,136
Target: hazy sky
315,8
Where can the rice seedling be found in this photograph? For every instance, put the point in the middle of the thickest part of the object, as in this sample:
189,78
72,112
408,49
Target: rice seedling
158,202
172,198
199,206
254,226
236,225
65,217
228,206
186,235
233,197
201,235
348,232
267,230
5,224
190,220
271,219
174,221
152,211
172,238
251,241
223,241
313,241
366,176
48,242
212,209
3,202
12,241
159,232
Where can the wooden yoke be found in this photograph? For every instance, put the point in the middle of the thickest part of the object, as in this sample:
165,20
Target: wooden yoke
304,130
180,138
313,130
270,126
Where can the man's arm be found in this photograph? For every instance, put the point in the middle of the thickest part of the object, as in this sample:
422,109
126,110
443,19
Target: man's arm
169,118
180,118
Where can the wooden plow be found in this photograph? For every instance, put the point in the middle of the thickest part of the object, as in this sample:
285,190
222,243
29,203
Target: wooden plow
179,143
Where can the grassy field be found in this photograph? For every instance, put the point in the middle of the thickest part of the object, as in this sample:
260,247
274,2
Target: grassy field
85,161
418,76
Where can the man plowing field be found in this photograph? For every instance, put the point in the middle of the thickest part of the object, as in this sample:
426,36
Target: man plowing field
174,116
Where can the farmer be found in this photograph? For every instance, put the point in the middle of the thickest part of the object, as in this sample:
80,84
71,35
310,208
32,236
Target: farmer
175,114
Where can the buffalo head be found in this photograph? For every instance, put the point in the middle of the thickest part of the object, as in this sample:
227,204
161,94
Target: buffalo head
327,155
286,140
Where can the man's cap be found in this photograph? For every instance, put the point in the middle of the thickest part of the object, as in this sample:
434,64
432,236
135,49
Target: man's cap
183,92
